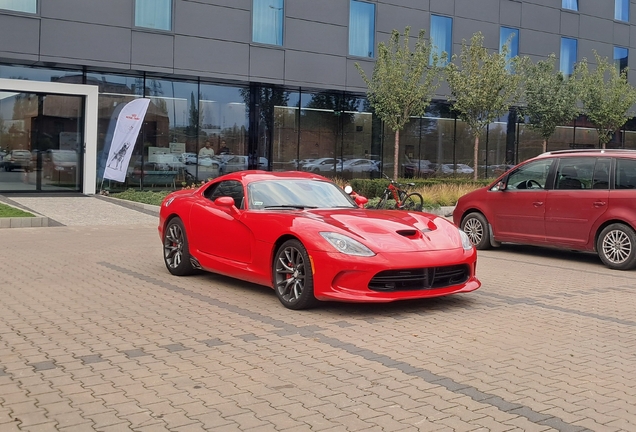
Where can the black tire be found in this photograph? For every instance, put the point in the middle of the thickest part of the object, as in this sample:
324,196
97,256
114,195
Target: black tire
293,279
383,204
413,202
476,227
176,254
616,246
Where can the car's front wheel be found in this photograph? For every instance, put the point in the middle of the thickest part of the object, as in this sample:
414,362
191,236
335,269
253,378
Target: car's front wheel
476,228
616,246
293,279
176,254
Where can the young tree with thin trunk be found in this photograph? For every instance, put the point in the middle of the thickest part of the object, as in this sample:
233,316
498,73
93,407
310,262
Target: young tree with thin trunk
606,96
402,84
482,87
549,98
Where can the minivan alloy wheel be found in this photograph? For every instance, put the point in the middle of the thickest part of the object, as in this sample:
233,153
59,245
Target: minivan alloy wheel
617,246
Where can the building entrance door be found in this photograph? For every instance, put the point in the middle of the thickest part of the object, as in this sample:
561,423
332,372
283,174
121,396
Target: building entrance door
41,142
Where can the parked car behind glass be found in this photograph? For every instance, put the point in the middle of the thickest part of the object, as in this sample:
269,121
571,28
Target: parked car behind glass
17,159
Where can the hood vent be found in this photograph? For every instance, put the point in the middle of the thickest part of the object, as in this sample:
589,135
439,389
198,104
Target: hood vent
408,233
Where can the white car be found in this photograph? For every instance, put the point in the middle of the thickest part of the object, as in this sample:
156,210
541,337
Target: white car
358,166
189,158
457,169
321,165
210,168
236,163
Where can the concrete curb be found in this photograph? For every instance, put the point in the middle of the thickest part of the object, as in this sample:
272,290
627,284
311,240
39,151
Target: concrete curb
145,208
37,221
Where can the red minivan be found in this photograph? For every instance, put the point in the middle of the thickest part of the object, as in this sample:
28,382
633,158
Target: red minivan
574,199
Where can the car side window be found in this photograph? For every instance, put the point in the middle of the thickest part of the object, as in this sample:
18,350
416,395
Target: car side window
533,175
601,173
625,174
575,173
231,188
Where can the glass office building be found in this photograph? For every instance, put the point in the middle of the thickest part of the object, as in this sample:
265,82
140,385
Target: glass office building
253,85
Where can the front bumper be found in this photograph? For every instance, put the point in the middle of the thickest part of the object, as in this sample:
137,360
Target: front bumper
346,278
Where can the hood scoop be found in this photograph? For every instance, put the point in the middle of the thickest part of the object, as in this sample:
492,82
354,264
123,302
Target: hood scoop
409,233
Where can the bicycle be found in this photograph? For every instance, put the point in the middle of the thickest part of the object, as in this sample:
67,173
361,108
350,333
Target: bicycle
404,200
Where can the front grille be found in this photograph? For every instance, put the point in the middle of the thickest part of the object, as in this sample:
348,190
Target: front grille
419,279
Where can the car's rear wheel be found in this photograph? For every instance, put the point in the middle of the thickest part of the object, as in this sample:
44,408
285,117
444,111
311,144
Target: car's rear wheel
293,279
476,228
616,246
176,254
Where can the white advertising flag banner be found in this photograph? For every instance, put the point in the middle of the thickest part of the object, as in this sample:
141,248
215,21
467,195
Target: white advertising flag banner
126,130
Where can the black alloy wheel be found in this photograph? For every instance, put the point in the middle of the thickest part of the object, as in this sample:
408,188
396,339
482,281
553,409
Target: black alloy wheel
175,249
293,278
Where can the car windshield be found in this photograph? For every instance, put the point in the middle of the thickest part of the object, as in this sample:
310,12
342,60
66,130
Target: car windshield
297,194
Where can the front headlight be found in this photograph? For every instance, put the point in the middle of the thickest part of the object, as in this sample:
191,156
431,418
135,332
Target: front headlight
347,245
466,243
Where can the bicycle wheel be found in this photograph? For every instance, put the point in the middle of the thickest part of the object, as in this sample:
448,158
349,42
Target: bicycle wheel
382,204
413,201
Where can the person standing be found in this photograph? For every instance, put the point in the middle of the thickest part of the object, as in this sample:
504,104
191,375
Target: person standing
206,151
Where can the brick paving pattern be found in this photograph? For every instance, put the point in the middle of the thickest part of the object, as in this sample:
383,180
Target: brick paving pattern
96,335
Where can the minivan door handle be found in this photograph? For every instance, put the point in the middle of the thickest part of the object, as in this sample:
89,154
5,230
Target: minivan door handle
537,203
598,204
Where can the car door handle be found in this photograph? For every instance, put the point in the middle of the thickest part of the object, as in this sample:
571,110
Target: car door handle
537,203
598,204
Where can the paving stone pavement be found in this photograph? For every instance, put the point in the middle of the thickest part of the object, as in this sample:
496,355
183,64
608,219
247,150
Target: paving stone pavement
95,334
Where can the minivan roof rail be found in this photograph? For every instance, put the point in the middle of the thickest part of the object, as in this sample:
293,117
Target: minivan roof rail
591,151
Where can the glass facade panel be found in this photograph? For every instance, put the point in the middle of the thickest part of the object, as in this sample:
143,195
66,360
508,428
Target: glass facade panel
267,21
223,124
510,37
41,74
41,142
360,158
621,10
621,58
28,6
115,91
154,14
269,120
286,131
570,4
568,55
361,28
441,36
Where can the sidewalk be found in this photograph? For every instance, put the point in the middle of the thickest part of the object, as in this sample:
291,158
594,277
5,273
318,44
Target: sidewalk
81,210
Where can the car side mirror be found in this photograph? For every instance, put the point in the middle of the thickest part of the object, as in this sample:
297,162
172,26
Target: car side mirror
500,186
226,201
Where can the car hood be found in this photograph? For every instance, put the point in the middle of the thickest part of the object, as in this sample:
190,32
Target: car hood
391,230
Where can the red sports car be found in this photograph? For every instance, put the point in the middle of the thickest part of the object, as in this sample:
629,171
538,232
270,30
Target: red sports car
302,235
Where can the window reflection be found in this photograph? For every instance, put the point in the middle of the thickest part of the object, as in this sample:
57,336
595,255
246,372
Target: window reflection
621,10
154,14
568,55
28,6
361,28
441,36
620,58
267,21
